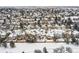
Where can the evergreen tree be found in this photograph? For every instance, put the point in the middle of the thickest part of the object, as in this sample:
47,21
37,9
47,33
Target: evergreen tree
23,52
21,25
67,41
77,42
69,21
22,12
55,37
76,27
39,23
3,39
45,50
4,44
73,40
12,44
4,21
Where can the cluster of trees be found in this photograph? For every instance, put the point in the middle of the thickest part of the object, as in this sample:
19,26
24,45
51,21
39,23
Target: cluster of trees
12,44
3,41
39,51
68,38
62,50
73,40
76,26
31,38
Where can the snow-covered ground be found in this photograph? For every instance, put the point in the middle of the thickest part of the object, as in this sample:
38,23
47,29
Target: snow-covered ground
30,47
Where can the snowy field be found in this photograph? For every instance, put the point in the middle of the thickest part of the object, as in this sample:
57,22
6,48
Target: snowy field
30,47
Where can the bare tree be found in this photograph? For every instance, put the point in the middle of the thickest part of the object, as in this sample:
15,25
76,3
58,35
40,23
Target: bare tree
37,51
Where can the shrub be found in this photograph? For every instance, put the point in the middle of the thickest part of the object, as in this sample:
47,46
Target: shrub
68,49
45,50
37,51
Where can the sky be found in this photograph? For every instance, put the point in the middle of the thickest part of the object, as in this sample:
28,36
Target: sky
39,2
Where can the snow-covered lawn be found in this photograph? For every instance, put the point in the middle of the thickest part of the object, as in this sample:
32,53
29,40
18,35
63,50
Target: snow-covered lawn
30,47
